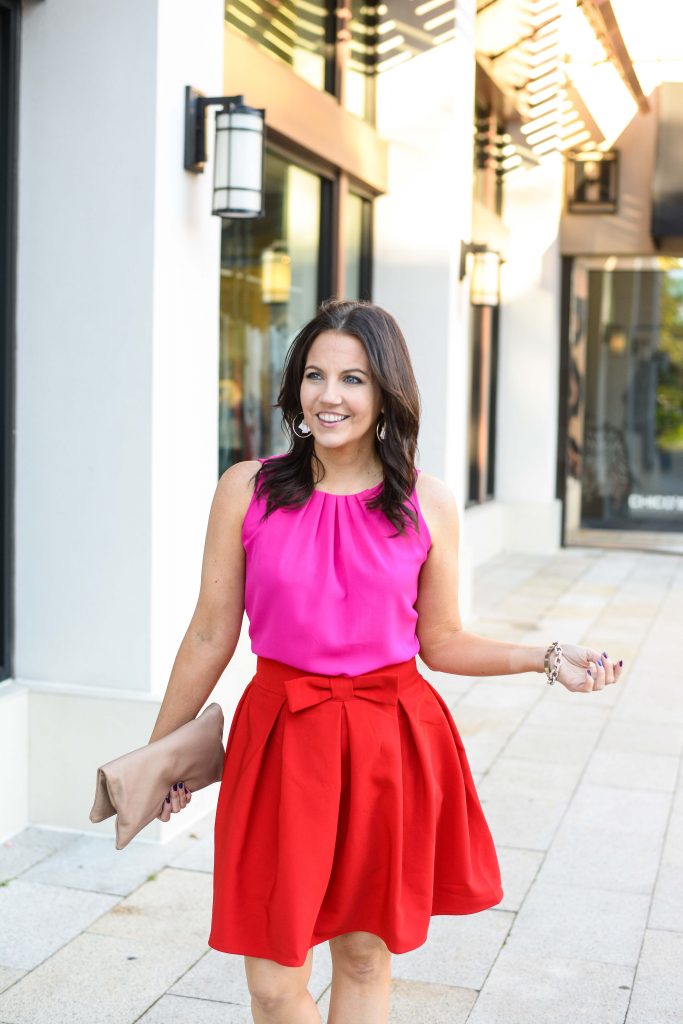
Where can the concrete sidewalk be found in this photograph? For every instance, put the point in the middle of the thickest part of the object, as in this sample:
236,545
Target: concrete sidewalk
583,794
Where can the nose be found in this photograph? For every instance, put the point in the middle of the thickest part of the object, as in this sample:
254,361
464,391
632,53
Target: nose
329,393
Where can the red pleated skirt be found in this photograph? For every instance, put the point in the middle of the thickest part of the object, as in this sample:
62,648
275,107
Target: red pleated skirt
346,804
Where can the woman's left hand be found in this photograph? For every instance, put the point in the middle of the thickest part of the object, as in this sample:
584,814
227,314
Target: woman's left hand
582,669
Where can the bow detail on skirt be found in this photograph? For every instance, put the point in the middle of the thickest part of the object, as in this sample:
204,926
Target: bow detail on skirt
305,691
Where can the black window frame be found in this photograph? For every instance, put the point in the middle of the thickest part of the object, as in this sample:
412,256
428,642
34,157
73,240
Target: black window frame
10,17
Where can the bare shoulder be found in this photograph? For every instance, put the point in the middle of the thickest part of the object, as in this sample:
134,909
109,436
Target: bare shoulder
235,488
437,504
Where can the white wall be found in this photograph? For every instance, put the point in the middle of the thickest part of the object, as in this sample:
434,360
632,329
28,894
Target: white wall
117,336
425,112
628,231
529,361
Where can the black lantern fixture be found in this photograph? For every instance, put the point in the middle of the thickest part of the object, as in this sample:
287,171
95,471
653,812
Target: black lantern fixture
485,282
592,181
238,156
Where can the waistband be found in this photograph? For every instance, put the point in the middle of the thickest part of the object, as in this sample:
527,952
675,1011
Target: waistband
304,689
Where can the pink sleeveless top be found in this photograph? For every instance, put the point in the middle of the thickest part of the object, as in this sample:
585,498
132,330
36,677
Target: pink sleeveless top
327,589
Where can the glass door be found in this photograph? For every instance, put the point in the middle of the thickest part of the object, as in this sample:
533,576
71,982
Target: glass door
624,403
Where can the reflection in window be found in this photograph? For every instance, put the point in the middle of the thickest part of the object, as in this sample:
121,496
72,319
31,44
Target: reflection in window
269,288
631,468
357,248
481,434
361,61
295,31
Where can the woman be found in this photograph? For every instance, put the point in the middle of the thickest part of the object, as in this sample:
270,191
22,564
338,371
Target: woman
347,811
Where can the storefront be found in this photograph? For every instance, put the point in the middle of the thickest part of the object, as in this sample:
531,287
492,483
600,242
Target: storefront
624,402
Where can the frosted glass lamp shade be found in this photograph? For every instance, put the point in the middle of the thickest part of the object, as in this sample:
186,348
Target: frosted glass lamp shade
238,162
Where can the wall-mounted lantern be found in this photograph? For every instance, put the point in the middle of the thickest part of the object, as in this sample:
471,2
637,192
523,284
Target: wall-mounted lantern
238,155
276,274
485,280
592,181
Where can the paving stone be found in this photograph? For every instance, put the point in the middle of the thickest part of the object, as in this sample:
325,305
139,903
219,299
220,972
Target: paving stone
518,869
15,858
459,949
641,737
524,801
526,989
198,857
582,923
96,979
179,1010
588,855
559,707
40,835
501,695
612,807
633,770
172,909
8,975
94,863
222,976
666,911
551,743
38,919
658,988
413,1002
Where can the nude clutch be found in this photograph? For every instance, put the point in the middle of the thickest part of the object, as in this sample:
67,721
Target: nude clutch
134,785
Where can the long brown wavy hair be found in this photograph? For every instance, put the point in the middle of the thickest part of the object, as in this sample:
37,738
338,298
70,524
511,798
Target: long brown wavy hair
287,481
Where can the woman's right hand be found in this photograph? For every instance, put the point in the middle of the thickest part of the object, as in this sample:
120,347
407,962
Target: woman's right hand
177,797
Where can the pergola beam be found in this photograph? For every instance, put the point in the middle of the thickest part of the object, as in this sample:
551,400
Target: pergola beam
601,15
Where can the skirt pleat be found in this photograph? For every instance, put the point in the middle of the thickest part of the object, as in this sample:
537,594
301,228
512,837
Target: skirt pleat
346,804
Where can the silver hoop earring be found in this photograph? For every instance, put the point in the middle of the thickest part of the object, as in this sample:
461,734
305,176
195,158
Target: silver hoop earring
306,429
381,434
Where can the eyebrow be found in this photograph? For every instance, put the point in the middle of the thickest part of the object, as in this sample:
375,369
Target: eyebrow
354,369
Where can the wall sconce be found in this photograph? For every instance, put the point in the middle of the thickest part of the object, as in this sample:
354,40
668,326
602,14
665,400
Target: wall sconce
276,274
592,181
485,282
238,156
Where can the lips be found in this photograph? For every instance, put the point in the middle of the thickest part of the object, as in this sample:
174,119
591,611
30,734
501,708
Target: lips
331,421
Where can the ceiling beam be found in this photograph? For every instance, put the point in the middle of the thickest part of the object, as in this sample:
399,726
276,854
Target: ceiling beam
600,14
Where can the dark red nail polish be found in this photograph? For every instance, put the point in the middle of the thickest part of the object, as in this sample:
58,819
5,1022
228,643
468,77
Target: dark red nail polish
175,785
621,663
168,799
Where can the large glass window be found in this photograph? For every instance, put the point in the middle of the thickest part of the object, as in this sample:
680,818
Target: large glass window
624,405
358,247
481,435
274,273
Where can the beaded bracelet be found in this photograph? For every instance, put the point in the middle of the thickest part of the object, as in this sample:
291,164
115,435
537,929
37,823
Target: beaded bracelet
552,673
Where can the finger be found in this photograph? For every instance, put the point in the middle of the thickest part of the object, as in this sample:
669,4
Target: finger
600,674
609,668
165,813
183,794
175,797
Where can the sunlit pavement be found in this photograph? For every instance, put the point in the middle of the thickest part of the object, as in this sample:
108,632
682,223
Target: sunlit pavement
583,795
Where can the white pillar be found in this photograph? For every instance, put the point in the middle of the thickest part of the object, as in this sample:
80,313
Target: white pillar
426,112
117,366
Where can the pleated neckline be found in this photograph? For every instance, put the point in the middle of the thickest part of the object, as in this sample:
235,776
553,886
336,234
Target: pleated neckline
355,494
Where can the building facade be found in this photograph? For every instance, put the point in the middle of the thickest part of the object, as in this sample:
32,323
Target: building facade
442,160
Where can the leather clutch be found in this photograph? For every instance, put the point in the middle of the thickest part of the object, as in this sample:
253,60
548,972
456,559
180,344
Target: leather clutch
134,785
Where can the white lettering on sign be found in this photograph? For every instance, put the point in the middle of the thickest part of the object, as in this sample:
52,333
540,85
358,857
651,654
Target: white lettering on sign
656,502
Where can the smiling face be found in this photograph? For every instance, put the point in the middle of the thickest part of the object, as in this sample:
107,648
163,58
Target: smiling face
338,380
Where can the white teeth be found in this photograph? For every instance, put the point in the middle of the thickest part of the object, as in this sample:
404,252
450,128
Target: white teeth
329,418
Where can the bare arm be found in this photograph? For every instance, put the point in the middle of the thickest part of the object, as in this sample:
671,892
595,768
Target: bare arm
444,645
214,629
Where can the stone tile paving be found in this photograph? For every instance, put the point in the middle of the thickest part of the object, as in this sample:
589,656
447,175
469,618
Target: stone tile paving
583,794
